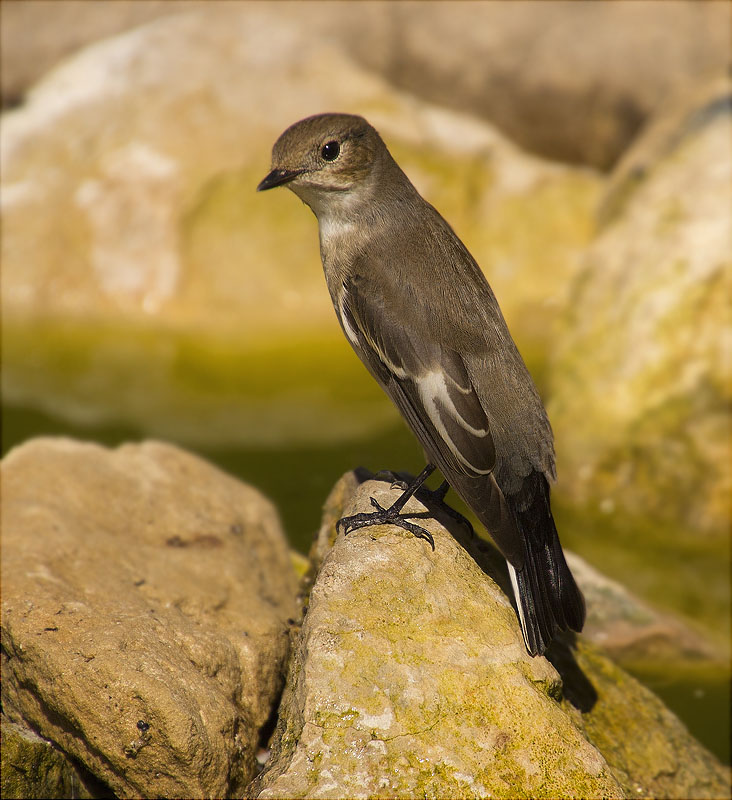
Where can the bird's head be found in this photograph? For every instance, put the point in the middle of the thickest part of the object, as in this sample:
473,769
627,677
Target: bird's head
326,159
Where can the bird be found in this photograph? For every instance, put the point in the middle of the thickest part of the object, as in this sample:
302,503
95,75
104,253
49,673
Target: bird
420,314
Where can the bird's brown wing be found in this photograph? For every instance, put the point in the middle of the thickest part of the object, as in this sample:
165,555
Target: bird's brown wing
429,384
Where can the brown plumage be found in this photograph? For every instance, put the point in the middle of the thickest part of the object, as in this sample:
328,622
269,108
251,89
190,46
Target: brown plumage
421,316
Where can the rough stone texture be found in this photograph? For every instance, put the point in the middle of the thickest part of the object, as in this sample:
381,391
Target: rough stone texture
649,751
527,67
623,625
142,585
410,679
132,232
35,767
641,384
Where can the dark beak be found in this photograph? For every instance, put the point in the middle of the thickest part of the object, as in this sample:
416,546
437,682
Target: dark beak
278,177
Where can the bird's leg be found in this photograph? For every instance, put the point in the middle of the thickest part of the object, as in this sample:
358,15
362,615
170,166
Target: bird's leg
437,498
391,515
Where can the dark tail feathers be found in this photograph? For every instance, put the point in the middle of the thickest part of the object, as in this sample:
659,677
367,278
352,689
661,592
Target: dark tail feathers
547,597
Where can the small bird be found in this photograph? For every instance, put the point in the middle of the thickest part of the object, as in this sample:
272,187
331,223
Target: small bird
421,316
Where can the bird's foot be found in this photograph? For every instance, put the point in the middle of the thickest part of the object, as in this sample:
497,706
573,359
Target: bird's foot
436,499
386,516
395,481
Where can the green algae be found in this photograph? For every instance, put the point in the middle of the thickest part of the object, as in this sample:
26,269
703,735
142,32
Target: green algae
649,750
34,767
190,386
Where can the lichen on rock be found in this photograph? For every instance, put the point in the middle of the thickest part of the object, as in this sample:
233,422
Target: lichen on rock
410,678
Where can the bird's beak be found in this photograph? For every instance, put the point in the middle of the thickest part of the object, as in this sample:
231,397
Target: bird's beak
278,177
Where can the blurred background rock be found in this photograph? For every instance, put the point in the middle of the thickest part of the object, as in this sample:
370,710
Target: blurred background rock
581,150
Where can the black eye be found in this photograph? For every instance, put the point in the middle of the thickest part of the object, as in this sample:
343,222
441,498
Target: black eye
330,151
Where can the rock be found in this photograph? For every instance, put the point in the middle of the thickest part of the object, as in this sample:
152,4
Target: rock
640,384
528,67
630,630
34,767
133,235
675,124
649,751
410,678
572,83
37,35
633,632
145,607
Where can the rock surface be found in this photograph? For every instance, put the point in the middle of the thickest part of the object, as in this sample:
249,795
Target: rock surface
35,767
527,67
35,36
622,624
133,234
641,387
569,82
145,607
410,679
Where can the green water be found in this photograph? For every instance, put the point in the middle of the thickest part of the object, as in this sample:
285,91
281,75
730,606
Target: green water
298,480
699,696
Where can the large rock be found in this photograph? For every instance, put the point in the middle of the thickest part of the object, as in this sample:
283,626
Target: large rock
569,81
145,607
527,67
36,35
641,382
153,286
410,678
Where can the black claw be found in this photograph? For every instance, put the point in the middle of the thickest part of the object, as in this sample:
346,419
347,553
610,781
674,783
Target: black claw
394,480
375,504
391,515
420,533
386,516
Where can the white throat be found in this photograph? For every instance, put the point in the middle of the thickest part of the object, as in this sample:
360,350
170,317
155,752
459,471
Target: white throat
333,226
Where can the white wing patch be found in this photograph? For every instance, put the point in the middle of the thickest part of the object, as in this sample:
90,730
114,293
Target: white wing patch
432,389
461,389
347,327
519,605
400,372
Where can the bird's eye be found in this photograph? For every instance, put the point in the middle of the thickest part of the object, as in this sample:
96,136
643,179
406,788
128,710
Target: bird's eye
330,151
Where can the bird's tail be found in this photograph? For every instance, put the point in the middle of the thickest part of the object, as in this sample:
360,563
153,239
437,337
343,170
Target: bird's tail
547,597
